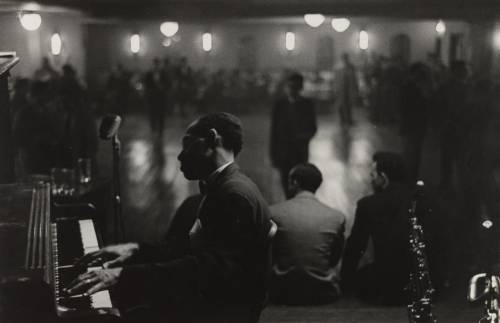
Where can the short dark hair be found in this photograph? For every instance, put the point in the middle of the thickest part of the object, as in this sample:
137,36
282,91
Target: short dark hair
391,164
227,126
307,176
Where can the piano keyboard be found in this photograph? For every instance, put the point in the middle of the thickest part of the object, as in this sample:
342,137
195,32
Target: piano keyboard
79,238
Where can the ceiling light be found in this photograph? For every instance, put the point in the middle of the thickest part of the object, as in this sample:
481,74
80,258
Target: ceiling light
440,28
340,24
30,21
55,44
207,42
363,40
314,19
290,41
135,43
169,28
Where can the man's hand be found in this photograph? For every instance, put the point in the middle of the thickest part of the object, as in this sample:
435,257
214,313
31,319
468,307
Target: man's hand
94,281
110,256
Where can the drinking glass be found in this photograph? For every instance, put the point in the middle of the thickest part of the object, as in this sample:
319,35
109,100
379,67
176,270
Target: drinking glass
84,167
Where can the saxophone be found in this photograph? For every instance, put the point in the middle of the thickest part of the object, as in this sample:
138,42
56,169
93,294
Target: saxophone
420,285
485,287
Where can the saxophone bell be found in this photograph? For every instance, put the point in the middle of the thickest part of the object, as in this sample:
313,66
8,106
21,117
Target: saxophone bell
474,285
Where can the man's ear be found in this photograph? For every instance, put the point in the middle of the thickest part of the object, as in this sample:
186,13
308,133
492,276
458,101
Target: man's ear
385,179
213,137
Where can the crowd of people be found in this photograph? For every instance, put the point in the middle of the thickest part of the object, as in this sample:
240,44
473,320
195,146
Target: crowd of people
450,108
217,257
173,87
53,125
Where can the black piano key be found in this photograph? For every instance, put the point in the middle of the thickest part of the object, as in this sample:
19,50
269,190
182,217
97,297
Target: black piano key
69,242
77,303
67,275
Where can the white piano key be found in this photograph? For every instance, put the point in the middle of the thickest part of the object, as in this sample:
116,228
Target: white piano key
88,234
101,299
89,250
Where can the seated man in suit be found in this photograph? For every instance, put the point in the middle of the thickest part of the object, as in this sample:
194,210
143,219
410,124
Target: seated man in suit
223,275
384,217
308,244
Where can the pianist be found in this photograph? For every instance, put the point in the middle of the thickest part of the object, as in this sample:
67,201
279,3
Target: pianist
222,278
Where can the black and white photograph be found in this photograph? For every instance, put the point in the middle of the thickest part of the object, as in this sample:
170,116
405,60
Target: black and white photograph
246,161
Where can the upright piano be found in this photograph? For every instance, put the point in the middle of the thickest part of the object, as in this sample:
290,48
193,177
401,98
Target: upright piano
37,248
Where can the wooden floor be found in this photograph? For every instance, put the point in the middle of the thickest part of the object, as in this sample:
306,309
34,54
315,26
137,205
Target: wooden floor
364,314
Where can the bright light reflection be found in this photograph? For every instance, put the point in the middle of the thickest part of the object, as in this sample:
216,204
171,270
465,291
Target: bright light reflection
487,224
314,19
363,40
169,28
496,39
30,21
139,157
135,43
207,42
55,44
290,41
340,24
440,27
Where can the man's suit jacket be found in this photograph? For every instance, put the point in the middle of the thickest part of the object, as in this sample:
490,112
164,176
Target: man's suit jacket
229,267
384,218
292,127
307,247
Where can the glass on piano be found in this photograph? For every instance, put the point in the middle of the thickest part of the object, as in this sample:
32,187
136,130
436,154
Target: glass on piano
84,166
62,181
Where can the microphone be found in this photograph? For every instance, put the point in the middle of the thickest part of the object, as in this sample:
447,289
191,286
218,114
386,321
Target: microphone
109,126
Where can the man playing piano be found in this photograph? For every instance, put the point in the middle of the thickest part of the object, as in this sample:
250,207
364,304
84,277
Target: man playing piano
223,276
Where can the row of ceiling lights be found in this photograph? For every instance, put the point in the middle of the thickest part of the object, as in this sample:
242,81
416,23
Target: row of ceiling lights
316,19
31,21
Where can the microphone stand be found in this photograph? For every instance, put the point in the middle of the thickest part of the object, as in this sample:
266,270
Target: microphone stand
119,229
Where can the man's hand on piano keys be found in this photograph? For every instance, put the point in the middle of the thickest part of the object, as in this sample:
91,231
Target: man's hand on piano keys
94,281
110,256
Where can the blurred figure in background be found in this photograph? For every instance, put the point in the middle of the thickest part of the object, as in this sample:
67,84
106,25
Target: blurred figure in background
155,97
453,105
46,73
36,131
184,85
118,90
416,95
347,92
308,244
79,132
293,124
20,96
55,127
166,84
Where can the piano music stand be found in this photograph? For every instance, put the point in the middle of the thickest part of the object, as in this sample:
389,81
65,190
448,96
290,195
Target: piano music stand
7,174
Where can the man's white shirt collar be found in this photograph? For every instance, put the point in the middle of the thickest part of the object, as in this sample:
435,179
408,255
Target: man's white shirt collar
219,170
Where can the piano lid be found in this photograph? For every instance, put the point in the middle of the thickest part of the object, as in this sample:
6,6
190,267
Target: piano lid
7,61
